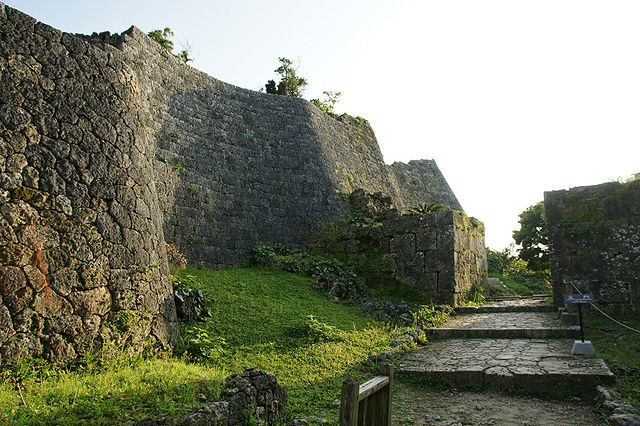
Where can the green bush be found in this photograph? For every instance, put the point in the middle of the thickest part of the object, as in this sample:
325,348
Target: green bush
427,316
331,275
199,344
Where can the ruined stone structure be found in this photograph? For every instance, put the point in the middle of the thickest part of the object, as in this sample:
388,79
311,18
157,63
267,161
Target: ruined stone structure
109,146
440,255
594,241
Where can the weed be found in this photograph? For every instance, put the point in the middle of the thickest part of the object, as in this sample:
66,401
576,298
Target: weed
428,316
424,208
619,347
177,261
199,344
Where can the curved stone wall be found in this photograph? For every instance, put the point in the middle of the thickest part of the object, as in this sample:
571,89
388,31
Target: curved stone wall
80,230
237,168
109,146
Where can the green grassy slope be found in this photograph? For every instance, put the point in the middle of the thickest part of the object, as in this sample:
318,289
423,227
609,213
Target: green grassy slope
264,317
260,318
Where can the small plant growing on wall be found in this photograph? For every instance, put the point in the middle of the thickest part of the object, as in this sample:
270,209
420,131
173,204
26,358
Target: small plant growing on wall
426,208
163,38
328,104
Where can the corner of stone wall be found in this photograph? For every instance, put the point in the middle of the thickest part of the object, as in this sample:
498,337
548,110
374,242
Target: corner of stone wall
422,182
440,255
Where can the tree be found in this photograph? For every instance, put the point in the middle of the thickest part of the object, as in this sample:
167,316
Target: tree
162,37
328,103
532,236
290,84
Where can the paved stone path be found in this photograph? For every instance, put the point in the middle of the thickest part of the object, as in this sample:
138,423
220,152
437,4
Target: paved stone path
526,360
505,324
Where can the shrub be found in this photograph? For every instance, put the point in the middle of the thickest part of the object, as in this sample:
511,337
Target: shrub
336,279
198,344
427,316
424,208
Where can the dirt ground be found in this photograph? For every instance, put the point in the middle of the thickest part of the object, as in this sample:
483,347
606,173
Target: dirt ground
412,405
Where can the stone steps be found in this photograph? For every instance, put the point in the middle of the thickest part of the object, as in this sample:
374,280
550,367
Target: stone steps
505,333
530,304
505,324
512,344
535,365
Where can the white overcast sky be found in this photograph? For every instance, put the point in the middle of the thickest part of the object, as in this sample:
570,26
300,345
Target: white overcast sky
511,98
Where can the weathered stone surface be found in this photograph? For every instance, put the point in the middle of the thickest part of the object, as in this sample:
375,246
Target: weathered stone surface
537,365
525,362
423,183
594,242
255,392
441,254
109,146
61,108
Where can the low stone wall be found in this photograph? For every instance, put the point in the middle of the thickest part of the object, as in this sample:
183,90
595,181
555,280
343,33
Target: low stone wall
594,241
441,255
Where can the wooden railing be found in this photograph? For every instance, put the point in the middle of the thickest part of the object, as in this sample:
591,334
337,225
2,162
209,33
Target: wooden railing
369,404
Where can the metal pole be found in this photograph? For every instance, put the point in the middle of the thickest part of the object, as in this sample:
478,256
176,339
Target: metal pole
580,316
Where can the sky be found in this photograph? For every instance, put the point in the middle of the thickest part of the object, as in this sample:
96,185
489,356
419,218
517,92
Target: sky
511,98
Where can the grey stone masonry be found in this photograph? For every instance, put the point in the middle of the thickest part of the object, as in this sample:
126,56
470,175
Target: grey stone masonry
236,169
440,254
594,242
422,182
110,147
538,365
81,243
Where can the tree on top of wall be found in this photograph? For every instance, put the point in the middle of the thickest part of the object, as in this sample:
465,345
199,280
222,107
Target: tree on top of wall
532,236
162,37
290,84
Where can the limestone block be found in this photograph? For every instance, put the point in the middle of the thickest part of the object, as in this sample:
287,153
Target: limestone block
12,279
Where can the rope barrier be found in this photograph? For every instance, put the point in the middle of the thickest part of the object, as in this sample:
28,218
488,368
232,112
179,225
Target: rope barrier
606,315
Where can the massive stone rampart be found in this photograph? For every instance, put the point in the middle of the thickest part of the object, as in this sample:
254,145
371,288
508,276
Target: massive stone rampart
109,146
594,242
237,168
80,227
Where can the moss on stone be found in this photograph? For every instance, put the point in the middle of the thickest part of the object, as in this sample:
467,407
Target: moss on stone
25,193
127,319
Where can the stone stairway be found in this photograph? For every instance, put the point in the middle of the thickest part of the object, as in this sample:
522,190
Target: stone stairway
509,344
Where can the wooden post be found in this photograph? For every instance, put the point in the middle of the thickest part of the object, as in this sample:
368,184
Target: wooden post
349,403
387,370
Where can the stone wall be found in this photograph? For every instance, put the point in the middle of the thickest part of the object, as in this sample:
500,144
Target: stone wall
109,146
80,228
236,168
594,241
422,182
440,255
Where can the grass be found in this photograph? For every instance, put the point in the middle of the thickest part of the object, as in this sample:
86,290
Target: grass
264,317
619,347
260,318
523,285
36,393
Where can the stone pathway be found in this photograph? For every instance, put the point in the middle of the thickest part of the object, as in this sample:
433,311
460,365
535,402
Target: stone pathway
521,344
